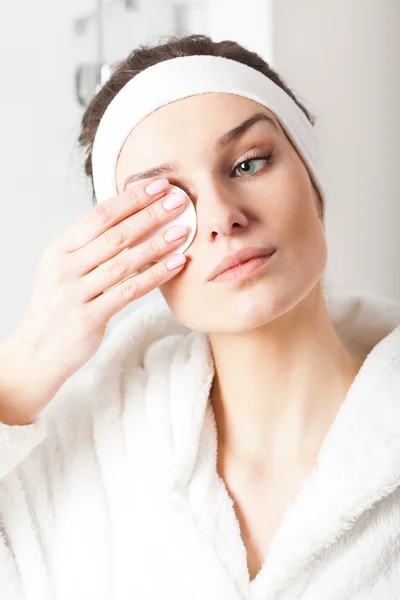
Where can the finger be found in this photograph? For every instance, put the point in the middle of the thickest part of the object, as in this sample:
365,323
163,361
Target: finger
115,299
123,235
130,262
107,214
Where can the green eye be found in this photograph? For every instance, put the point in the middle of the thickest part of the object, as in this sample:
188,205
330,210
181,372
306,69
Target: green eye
252,165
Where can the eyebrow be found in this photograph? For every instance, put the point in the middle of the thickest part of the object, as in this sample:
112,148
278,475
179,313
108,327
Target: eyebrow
227,138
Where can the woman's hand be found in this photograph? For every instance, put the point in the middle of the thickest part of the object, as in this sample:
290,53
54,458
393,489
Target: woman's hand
68,311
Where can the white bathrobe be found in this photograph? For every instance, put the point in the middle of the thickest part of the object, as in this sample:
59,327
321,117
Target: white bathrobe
113,494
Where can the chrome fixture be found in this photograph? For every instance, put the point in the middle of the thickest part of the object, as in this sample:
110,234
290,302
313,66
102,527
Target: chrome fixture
90,77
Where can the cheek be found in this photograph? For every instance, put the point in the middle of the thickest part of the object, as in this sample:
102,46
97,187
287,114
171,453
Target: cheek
294,199
283,186
184,292
175,289
305,238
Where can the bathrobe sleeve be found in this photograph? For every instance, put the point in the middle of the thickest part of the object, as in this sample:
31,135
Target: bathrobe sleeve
17,441
62,422
53,499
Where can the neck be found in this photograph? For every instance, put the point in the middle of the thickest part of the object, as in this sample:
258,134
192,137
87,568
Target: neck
277,388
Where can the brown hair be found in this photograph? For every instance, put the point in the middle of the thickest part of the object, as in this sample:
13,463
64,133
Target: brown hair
145,56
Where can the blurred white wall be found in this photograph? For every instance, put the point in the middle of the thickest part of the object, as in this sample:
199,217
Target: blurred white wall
249,23
341,58
42,188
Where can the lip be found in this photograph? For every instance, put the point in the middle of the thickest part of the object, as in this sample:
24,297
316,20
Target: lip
239,258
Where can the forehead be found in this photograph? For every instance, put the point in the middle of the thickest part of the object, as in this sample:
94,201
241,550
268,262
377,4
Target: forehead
187,126
208,115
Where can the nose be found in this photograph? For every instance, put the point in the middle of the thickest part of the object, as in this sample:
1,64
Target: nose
220,211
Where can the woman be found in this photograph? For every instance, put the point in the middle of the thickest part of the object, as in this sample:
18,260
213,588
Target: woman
241,442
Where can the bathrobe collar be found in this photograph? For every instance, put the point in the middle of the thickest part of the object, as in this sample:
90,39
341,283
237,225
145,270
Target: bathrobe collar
358,463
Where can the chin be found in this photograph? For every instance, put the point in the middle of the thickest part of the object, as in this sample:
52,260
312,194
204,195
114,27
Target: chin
242,313
237,320
252,309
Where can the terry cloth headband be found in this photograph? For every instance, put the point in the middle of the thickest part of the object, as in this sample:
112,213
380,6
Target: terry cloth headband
185,76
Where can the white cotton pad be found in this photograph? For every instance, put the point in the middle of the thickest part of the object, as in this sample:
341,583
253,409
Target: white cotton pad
186,217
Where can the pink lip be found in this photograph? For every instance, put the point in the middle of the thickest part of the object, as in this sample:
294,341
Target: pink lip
243,256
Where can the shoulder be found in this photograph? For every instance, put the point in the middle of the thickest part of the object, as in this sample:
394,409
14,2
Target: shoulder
147,328
363,319
147,350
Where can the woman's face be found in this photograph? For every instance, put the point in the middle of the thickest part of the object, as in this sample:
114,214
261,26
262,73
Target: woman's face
240,201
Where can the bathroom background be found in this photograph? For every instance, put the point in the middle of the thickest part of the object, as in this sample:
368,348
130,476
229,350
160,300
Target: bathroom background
342,59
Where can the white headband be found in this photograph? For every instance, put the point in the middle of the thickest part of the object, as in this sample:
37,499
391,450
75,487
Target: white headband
184,76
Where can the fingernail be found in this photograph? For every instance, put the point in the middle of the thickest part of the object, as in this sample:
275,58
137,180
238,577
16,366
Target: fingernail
176,262
175,233
155,187
174,200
